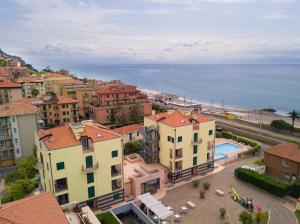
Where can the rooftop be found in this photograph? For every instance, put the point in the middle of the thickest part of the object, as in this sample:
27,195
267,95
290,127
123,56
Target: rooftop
116,89
14,109
42,208
41,101
64,136
68,81
5,83
178,119
129,129
289,151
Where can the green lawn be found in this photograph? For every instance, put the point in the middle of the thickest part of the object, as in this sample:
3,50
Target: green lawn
107,218
297,214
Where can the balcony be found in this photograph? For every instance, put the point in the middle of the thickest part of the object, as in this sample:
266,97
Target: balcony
90,169
116,170
5,137
178,166
116,184
178,153
5,125
196,141
61,185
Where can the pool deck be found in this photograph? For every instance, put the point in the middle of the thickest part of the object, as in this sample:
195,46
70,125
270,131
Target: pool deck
234,154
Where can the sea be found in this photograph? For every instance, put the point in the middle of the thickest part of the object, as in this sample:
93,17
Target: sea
258,86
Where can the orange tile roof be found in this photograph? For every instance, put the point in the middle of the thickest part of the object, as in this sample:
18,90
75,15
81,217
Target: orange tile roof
178,119
14,109
289,151
5,83
129,129
30,79
40,101
63,136
68,81
116,89
42,208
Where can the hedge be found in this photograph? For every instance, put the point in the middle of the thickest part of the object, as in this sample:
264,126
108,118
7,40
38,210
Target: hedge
260,180
256,147
107,218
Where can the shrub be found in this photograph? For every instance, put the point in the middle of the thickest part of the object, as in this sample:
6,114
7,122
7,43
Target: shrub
260,180
222,212
281,125
295,189
206,186
196,183
20,188
246,217
202,194
7,199
133,147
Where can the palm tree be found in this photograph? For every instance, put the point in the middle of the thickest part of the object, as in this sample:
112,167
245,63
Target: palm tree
294,115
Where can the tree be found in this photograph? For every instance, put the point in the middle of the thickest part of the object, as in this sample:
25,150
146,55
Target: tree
133,147
294,115
281,125
47,69
121,115
222,212
35,92
19,188
245,217
135,113
25,168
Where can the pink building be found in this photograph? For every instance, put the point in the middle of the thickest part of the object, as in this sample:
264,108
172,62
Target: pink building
141,178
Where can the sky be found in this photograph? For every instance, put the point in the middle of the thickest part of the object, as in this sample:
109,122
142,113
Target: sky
151,31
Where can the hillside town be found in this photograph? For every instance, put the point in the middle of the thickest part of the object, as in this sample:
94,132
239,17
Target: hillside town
81,151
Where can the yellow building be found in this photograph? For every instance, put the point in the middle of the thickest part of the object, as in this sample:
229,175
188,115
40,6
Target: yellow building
81,162
182,143
9,91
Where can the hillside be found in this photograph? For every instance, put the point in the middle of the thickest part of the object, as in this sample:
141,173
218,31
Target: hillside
4,56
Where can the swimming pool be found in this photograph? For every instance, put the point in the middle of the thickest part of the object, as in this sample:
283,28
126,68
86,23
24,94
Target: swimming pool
222,150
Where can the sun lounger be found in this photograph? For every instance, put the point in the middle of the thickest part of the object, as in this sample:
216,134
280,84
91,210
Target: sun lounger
190,204
219,192
177,218
184,209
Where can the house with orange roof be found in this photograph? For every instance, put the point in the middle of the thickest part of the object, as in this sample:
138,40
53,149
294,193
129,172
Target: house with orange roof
81,162
42,208
18,123
54,110
9,91
183,143
32,86
117,102
130,133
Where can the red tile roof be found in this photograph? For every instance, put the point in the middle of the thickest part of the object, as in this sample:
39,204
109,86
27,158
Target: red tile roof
289,151
14,109
116,89
129,129
5,83
39,209
30,79
178,119
40,101
63,136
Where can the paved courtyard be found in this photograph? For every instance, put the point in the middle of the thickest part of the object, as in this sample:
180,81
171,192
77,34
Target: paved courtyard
207,210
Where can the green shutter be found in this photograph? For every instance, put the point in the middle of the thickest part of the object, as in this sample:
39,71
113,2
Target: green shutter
91,192
195,161
180,139
210,132
60,166
195,149
89,161
116,196
195,137
114,153
90,178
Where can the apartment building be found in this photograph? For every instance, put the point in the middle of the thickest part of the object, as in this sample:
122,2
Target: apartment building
9,91
32,86
115,103
18,123
54,110
130,133
184,143
81,162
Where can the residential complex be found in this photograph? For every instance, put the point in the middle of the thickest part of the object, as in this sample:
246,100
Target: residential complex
81,162
18,124
9,91
182,143
32,86
283,161
119,103
54,110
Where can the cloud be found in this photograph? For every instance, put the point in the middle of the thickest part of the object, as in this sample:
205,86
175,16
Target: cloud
278,16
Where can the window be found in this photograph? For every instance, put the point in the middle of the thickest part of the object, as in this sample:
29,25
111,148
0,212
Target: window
90,178
91,192
89,161
195,137
285,163
85,142
195,149
114,153
18,150
210,132
16,140
137,133
130,136
60,166
170,139
195,161
116,196
15,130
179,139
13,119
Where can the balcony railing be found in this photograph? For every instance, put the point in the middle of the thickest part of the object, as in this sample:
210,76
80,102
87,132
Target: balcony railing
178,168
178,155
116,172
116,186
59,188
90,169
196,141
4,137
